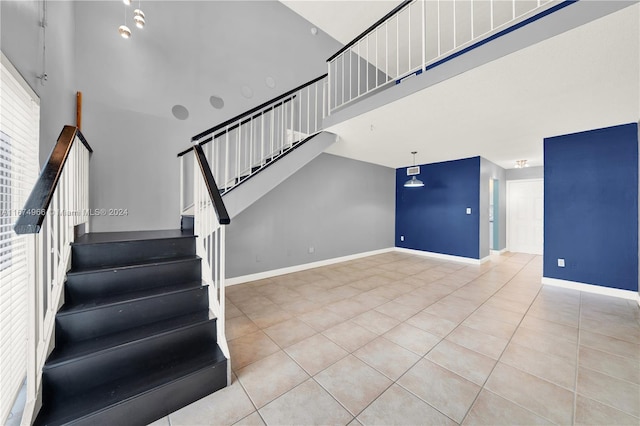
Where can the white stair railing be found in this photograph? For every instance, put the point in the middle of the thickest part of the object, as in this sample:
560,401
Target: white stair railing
58,203
415,36
209,218
243,145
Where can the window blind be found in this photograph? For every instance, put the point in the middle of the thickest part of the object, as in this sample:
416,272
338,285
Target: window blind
19,142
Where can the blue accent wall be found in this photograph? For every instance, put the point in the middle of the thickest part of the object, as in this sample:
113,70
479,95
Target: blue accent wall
591,207
433,218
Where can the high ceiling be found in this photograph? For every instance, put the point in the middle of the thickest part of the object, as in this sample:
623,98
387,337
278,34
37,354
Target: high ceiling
579,80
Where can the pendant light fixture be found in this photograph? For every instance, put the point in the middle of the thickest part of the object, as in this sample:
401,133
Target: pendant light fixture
413,171
123,30
138,18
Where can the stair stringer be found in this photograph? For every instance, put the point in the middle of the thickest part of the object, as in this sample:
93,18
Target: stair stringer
253,189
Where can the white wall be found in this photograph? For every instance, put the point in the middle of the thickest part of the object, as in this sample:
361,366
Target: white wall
21,40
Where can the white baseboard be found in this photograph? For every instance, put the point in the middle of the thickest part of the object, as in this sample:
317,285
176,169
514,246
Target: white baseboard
441,256
590,288
297,268
504,250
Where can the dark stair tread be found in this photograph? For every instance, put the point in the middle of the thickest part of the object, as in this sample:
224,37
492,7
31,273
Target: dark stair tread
102,397
71,351
128,297
120,237
93,270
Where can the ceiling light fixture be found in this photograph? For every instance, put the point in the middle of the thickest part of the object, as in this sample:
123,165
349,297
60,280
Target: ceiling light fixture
127,2
413,171
521,164
138,18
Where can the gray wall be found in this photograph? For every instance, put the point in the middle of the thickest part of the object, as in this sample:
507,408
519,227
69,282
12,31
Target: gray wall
336,205
130,86
489,170
526,173
21,42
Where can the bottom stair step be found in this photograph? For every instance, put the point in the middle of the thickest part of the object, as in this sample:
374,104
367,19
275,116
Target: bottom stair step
143,398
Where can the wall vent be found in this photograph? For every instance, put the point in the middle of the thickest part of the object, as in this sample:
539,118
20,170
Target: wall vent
411,171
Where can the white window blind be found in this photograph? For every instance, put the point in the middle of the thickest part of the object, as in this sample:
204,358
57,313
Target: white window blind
19,142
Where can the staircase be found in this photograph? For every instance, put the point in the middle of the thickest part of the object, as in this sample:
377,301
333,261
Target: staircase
134,339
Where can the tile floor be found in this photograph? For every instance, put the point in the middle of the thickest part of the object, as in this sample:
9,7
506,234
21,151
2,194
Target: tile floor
401,339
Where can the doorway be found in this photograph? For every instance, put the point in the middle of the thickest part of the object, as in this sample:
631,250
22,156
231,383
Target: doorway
525,216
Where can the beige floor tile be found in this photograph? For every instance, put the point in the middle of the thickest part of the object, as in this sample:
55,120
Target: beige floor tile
554,369
464,362
375,322
613,365
252,419
555,313
543,398
478,341
370,300
349,335
491,409
490,326
387,357
547,343
288,332
500,314
412,338
347,308
301,306
629,331
610,345
225,406
161,422
397,311
250,348
321,319
389,292
239,326
231,311
396,406
316,353
414,300
432,324
306,404
609,390
449,311
559,330
270,377
268,316
446,391
590,412
353,383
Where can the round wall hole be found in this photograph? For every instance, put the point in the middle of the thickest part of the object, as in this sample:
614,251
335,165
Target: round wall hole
180,112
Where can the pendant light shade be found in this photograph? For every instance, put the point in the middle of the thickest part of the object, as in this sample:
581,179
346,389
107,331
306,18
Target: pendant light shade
124,31
138,18
414,182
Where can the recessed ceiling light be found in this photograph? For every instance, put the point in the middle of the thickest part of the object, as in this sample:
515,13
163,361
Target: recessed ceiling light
270,82
314,30
247,92
180,112
216,102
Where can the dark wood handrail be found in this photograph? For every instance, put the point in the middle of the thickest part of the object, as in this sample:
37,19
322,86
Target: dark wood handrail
253,110
212,188
35,209
371,28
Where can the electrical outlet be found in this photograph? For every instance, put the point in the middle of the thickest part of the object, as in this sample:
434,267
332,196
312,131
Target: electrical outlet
401,237
561,263
311,250
468,210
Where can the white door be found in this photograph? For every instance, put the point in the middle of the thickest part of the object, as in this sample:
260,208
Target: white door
525,216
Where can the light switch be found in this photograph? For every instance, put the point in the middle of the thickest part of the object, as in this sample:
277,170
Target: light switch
468,210
561,263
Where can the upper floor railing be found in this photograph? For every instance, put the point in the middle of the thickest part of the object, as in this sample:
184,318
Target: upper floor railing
57,204
417,35
243,145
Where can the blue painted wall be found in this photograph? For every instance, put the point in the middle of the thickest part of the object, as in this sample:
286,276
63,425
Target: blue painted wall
433,218
591,207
